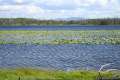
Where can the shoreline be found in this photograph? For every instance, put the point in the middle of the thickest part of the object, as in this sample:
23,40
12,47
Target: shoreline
31,74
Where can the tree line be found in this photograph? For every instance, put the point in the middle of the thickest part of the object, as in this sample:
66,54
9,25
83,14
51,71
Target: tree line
28,21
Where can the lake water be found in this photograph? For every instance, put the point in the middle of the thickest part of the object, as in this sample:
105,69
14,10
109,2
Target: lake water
61,57
60,28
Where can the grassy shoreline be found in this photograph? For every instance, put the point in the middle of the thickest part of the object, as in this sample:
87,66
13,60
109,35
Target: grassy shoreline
60,37
34,74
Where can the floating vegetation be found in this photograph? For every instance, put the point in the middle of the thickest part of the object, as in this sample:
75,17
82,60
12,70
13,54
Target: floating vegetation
60,37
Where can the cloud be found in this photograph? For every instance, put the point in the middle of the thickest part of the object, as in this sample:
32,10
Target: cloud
29,9
18,1
59,8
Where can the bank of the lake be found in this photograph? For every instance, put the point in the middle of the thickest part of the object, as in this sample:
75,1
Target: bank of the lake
34,74
37,22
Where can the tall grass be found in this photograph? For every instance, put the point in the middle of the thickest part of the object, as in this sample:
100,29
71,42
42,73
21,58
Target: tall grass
33,74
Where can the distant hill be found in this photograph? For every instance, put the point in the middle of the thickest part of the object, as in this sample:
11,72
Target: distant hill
71,18
68,21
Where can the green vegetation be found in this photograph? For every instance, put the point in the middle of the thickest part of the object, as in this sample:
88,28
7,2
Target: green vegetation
36,22
33,74
60,37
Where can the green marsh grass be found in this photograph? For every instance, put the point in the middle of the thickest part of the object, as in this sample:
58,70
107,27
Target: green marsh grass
34,74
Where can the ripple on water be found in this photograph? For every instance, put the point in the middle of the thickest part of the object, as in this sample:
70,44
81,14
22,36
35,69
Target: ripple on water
65,57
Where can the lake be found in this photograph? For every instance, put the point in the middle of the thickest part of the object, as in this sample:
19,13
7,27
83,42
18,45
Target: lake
59,27
60,57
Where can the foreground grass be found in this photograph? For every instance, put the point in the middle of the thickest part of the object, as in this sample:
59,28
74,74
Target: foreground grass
60,37
33,74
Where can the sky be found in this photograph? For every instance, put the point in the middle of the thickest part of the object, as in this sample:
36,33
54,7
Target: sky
51,9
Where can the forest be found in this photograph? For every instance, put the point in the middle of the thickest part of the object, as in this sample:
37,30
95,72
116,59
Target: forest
37,22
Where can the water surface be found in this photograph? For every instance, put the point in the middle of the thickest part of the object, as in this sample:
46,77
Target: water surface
106,27
63,57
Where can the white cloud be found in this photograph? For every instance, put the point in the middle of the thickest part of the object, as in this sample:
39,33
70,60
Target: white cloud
29,9
18,1
33,9
103,3
62,8
54,2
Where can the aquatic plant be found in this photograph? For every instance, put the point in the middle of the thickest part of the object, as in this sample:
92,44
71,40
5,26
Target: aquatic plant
114,76
60,37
